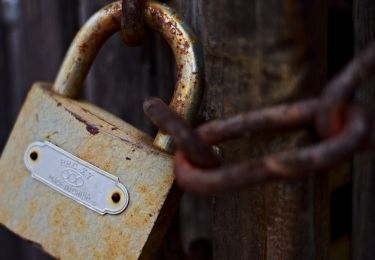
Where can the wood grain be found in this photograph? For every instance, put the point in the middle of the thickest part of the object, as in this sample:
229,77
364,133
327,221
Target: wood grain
5,101
364,164
255,57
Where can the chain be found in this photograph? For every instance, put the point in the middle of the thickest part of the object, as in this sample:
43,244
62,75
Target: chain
184,137
343,125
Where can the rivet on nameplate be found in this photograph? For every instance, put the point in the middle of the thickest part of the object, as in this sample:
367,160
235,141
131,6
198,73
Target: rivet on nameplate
75,178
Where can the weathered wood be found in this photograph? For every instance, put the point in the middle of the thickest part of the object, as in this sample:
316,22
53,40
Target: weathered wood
195,221
37,48
255,57
364,164
4,84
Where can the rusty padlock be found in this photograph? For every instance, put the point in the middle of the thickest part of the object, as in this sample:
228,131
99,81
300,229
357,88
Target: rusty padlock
79,181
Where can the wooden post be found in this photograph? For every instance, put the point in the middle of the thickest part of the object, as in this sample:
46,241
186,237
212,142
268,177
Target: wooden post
4,85
256,56
364,164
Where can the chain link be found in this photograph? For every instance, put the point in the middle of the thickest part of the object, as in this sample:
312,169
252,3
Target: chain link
344,126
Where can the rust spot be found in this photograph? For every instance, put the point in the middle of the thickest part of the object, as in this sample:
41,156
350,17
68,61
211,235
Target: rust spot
92,129
51,134
67,77
116,239
107,164
89,127
100,118
58,104
143,188
139,146
33,208
81,223
83,47
114,128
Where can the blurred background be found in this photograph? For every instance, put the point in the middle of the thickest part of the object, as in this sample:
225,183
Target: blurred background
34,36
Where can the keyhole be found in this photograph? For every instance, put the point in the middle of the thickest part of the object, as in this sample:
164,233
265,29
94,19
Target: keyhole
116,197
34,156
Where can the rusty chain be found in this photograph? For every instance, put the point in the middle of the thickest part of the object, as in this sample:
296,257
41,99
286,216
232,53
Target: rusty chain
342,124
132,21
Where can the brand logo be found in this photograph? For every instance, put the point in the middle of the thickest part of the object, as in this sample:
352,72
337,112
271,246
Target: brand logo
72,177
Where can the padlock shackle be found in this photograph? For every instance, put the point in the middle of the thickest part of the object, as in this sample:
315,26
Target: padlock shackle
160,17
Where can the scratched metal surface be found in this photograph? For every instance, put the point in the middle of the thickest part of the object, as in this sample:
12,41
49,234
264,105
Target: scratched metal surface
64,228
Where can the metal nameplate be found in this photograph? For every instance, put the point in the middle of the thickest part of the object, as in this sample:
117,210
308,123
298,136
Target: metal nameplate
75,178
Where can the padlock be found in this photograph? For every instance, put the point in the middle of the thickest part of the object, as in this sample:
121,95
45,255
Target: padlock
79,181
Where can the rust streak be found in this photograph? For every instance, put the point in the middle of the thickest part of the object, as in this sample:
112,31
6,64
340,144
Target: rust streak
92,129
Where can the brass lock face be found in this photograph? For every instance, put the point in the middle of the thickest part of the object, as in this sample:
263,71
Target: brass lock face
53,124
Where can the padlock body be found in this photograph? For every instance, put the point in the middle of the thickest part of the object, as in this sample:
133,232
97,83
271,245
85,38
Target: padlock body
64,228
